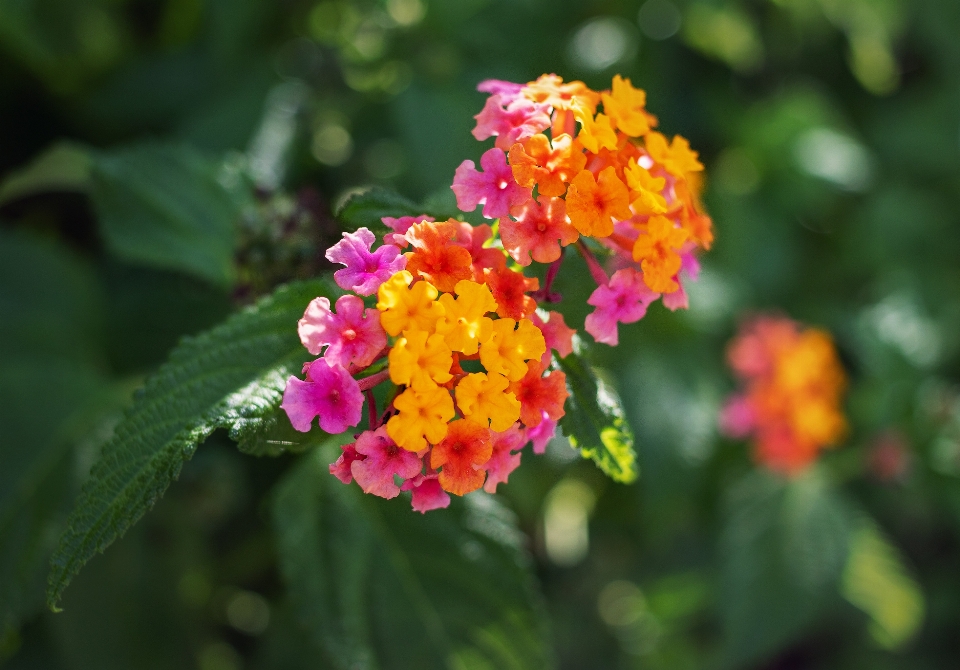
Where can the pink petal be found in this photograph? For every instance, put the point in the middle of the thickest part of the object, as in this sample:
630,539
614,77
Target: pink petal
365,270
737,417
341,467
495,187
541,434
427,493
384,459
329,392
503,461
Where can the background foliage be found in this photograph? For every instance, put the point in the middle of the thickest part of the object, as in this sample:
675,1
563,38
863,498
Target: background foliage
165,163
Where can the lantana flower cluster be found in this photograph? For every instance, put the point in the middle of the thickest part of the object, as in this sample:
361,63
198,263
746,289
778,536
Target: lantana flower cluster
452,322
793,385
562,171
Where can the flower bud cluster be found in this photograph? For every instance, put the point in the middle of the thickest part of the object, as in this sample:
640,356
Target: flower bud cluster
793,386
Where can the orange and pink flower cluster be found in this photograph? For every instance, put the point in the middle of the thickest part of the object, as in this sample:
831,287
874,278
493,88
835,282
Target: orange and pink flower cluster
793,385
468,352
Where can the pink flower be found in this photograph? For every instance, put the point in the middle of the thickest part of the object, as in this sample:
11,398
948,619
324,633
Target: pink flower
503,460
328,392
365,270
427,493
341,467
623,300
351,335
541,434
472,238
399,227
737,418
510,119
384,459
557,335
499,87
494,188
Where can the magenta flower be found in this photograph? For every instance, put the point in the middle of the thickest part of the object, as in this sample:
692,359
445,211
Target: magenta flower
351,335
541,434
384,459
400,226
341,467
737,418
624,299
510,120
494,188
328,392
365,270
427,493
556,334
503,460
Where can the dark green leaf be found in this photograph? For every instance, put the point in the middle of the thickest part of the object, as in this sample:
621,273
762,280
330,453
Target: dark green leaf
365,209
163,206
594,421
229,377
379,585
783,548
62,167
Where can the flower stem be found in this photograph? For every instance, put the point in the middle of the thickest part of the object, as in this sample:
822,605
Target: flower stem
596,271
371,409
368,383
545,294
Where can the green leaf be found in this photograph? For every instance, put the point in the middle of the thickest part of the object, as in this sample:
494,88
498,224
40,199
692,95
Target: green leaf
876,581
380,586
51,392
782,549
366,208
595,422
63,167
161,205
229,377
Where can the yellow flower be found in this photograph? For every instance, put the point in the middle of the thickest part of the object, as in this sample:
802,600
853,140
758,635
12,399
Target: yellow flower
625,107
424,410
508,350
484,397
677,158
402,308
420,356
647,187
464,325
595,133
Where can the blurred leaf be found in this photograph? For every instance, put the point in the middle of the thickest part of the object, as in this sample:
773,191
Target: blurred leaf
783,548
51,392
594,421
229,377
876,581
162,205
63,167
365,209
379,585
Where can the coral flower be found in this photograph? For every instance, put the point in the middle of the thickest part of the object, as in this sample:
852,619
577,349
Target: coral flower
423,412
351,335
509,289
329,392
383,459
404,307
461,454
556,335
341,467
473,238
539,394
427,494
419,356
483,397
504,458
593,204
494,188
434,258
658,253
549,167
541,227
508,350
365,270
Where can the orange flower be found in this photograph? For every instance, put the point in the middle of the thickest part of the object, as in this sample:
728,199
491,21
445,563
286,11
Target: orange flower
461,454
550,167
656,251
648,189
593,204
484,399
677,158
435,257
509,289
595,133
538,394
550,89
625,106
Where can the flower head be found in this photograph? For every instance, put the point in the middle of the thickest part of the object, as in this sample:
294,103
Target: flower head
328,392
365,270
